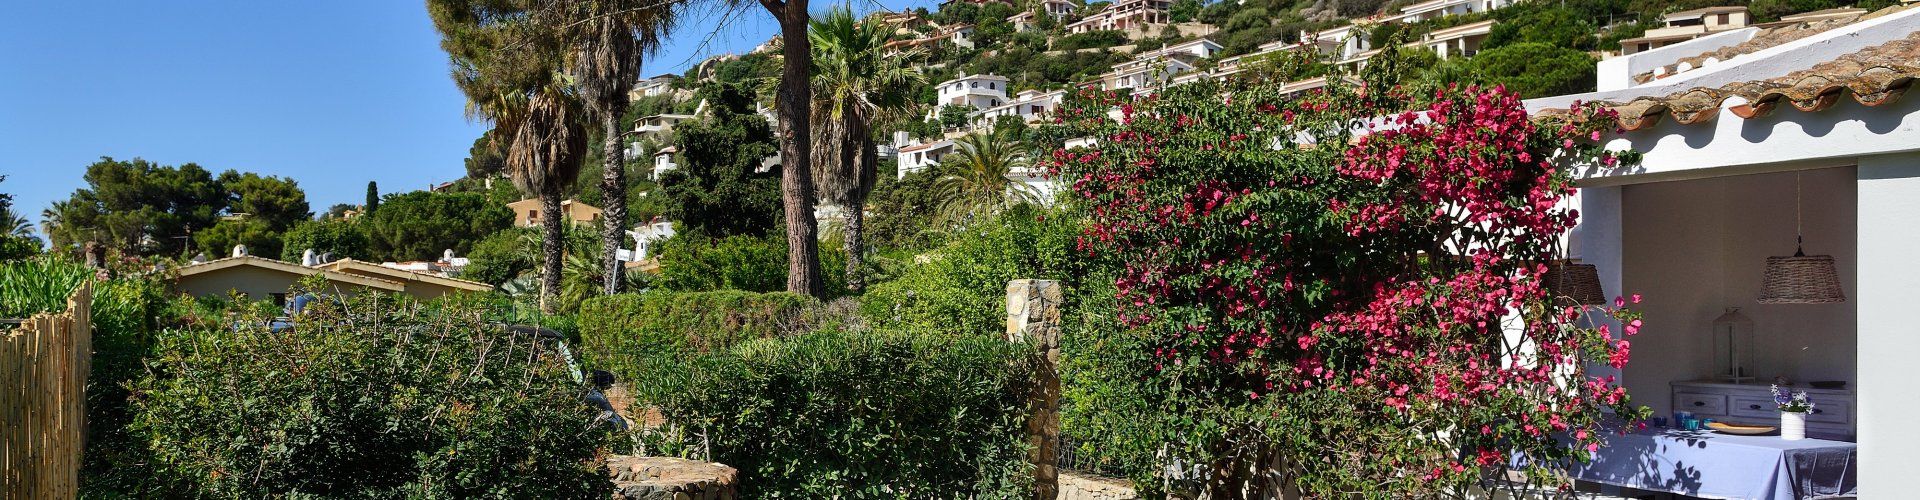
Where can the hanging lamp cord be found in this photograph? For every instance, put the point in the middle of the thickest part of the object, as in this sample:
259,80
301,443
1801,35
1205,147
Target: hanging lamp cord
1799,238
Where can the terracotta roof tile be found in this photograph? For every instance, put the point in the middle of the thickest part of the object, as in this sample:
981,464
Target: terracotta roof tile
1872,76
1768,37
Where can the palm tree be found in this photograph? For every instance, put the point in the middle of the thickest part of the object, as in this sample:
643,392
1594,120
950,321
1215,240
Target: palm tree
610,36
12,222
506,58
973,180
544,159
856,84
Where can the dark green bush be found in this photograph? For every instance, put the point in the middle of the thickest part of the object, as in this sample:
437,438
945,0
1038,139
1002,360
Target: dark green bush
394,399
860,415
631,334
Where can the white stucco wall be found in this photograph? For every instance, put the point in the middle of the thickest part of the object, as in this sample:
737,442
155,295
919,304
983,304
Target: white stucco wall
1887,295
1693,248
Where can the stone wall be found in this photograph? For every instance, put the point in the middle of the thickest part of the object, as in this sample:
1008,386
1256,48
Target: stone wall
1078,486
668,478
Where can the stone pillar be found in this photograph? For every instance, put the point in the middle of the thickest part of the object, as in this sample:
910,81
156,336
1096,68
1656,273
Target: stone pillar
1033,317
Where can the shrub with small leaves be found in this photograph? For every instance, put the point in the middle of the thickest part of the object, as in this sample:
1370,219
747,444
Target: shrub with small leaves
374,397
836,414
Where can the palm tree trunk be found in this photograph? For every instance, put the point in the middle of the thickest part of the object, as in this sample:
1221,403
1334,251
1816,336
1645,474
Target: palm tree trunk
552,247
796,178
613,187
856,260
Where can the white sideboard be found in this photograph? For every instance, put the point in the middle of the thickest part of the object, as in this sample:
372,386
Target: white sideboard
1832,416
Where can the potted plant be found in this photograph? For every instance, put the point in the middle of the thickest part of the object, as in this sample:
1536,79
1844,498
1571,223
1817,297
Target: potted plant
1794,407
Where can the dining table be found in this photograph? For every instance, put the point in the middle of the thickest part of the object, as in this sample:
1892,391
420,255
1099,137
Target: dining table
1709,464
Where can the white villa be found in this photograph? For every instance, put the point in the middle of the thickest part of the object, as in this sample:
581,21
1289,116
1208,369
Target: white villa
1463,40
1058,8
1158,67
1761,142
658,85
644,236
663,162
976,91
1030,105
657,126
1435,9
961,36
1125,15
921,156
1687,25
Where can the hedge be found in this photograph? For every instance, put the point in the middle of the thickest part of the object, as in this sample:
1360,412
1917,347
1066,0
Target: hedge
629,333
833,414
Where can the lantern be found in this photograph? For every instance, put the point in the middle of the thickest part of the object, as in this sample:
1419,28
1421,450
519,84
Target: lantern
1732,343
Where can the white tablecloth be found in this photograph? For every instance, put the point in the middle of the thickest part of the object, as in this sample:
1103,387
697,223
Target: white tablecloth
1713,465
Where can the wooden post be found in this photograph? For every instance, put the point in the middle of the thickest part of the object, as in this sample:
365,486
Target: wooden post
1033,317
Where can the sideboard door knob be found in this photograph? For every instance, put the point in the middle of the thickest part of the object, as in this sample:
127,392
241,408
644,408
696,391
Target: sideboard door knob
1753,407
1699,403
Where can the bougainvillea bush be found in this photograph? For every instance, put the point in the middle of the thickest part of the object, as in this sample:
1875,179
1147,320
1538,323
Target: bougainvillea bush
1341,291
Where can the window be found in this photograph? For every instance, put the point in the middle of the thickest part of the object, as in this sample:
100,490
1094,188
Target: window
279,299
533,214
1645,46
1723,19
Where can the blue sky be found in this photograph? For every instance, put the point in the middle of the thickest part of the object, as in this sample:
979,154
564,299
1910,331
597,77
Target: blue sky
331,94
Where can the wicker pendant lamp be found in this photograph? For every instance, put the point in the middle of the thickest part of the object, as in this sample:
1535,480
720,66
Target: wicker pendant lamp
1573,283
1802,278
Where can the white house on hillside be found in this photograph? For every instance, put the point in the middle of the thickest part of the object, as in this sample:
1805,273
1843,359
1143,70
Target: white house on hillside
1435,9
921,156
976,91
658,85
1687,25
663,162
1125,15
1030,105
1341,43
1796,138
1458,41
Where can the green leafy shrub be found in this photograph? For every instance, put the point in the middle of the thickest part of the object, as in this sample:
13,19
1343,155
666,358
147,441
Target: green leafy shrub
695,263
962,287
16,247
630,334
503,256
392,399
860,415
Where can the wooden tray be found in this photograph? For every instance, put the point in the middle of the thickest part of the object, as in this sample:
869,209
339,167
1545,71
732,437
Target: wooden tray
1744,430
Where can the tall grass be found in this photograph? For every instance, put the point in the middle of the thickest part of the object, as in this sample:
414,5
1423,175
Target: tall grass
38,285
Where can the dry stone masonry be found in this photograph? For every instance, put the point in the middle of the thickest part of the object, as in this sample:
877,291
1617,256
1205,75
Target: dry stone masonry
668,478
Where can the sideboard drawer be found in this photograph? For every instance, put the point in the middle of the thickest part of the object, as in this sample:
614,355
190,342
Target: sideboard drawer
1754,407
1700,404
1830,411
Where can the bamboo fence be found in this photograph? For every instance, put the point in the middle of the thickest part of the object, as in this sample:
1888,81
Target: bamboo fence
43,381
